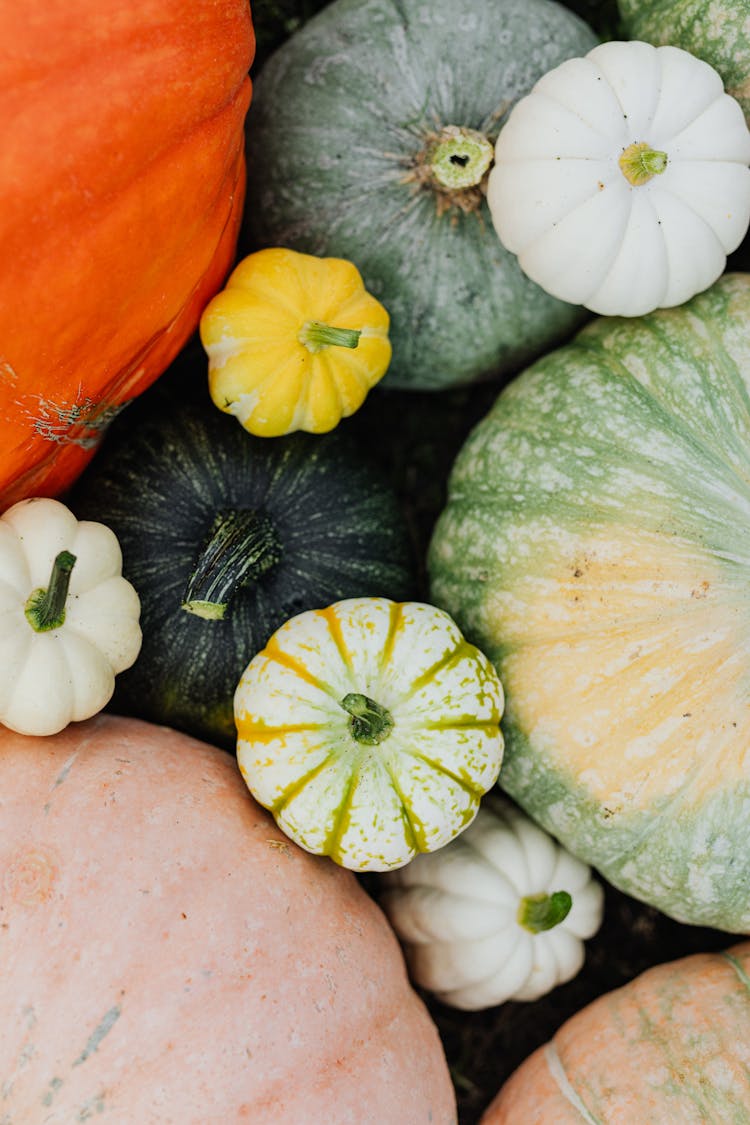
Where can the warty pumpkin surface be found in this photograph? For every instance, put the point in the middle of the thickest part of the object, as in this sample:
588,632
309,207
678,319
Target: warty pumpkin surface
369,139
168,956
595,547
121,191
670,1046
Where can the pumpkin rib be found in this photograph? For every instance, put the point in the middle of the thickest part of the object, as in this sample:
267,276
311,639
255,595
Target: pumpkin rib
558,1074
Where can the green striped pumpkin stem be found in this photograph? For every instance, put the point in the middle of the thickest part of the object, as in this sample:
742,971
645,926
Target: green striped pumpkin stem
240,548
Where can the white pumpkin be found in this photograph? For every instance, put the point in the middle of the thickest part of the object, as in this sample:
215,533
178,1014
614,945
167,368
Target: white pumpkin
370,729
69,621
621,181
499,914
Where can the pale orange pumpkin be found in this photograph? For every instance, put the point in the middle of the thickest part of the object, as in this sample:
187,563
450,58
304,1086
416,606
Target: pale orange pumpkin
121,189
669,1047
169,956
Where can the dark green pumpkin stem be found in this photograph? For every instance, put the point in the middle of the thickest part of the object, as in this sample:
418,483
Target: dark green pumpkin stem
241,547
543,912
315,335
45,608
370,723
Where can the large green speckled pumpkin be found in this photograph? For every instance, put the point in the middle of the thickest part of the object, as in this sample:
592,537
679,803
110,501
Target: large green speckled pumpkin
596,545
354,120
717,31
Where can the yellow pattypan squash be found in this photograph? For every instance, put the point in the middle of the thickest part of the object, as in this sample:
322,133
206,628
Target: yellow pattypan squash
294,342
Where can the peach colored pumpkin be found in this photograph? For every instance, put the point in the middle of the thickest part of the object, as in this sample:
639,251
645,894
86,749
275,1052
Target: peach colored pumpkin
169,956
672,1047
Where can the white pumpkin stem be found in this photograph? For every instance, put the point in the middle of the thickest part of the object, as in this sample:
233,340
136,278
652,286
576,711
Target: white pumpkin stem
460,158
45,607
316,335
537,913
639,163
241,547
370,722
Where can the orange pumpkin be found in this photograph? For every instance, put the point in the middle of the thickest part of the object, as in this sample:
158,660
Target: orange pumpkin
169,956
121,188
671,1046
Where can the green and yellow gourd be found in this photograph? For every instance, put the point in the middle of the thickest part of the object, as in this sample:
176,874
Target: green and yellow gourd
371,135
596,546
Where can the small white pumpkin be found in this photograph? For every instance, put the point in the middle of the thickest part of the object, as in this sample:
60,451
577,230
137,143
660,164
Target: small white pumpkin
370,729
499,914
621,180
69,621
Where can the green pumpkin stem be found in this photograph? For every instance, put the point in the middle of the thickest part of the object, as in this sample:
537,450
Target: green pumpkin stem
370,723
241,546
459,158
543,912
315,335
45,608
639,163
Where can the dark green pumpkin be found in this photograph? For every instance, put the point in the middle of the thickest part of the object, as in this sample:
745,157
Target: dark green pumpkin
348,138
207,514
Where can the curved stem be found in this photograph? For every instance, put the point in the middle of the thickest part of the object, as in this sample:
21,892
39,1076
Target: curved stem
639,163
45,607
316,335
241,546
543,912
459,158
370,722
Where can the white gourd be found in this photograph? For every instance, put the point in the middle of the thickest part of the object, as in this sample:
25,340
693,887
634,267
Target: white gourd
370,729
499,914
621,180
69,621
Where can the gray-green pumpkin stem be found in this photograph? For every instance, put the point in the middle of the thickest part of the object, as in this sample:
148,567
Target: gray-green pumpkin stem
241,546
45,608
370,722
537,913
459,158
316,335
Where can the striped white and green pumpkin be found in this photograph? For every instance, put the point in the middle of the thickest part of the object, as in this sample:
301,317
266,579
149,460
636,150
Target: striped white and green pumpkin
717,31
596,544
370,729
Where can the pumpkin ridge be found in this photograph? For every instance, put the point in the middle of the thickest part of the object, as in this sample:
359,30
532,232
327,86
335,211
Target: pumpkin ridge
332,843
463,648
557,1072
291,791
738,968
412,825
396,611
477,791
273,652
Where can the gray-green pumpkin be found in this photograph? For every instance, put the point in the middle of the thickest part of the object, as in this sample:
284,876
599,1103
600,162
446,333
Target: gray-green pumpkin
717,31
369,137
596,545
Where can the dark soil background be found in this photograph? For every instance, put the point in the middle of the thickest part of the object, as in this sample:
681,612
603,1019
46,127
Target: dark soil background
415,437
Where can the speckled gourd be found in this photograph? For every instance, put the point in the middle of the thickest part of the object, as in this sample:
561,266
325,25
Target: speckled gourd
369,139
595,546
717,32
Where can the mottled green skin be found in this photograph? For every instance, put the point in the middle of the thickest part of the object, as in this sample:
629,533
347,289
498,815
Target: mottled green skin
639,426
339,117
717,31
167,466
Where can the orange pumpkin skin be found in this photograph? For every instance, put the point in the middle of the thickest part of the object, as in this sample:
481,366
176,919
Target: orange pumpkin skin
169,956
671,1046
122,182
